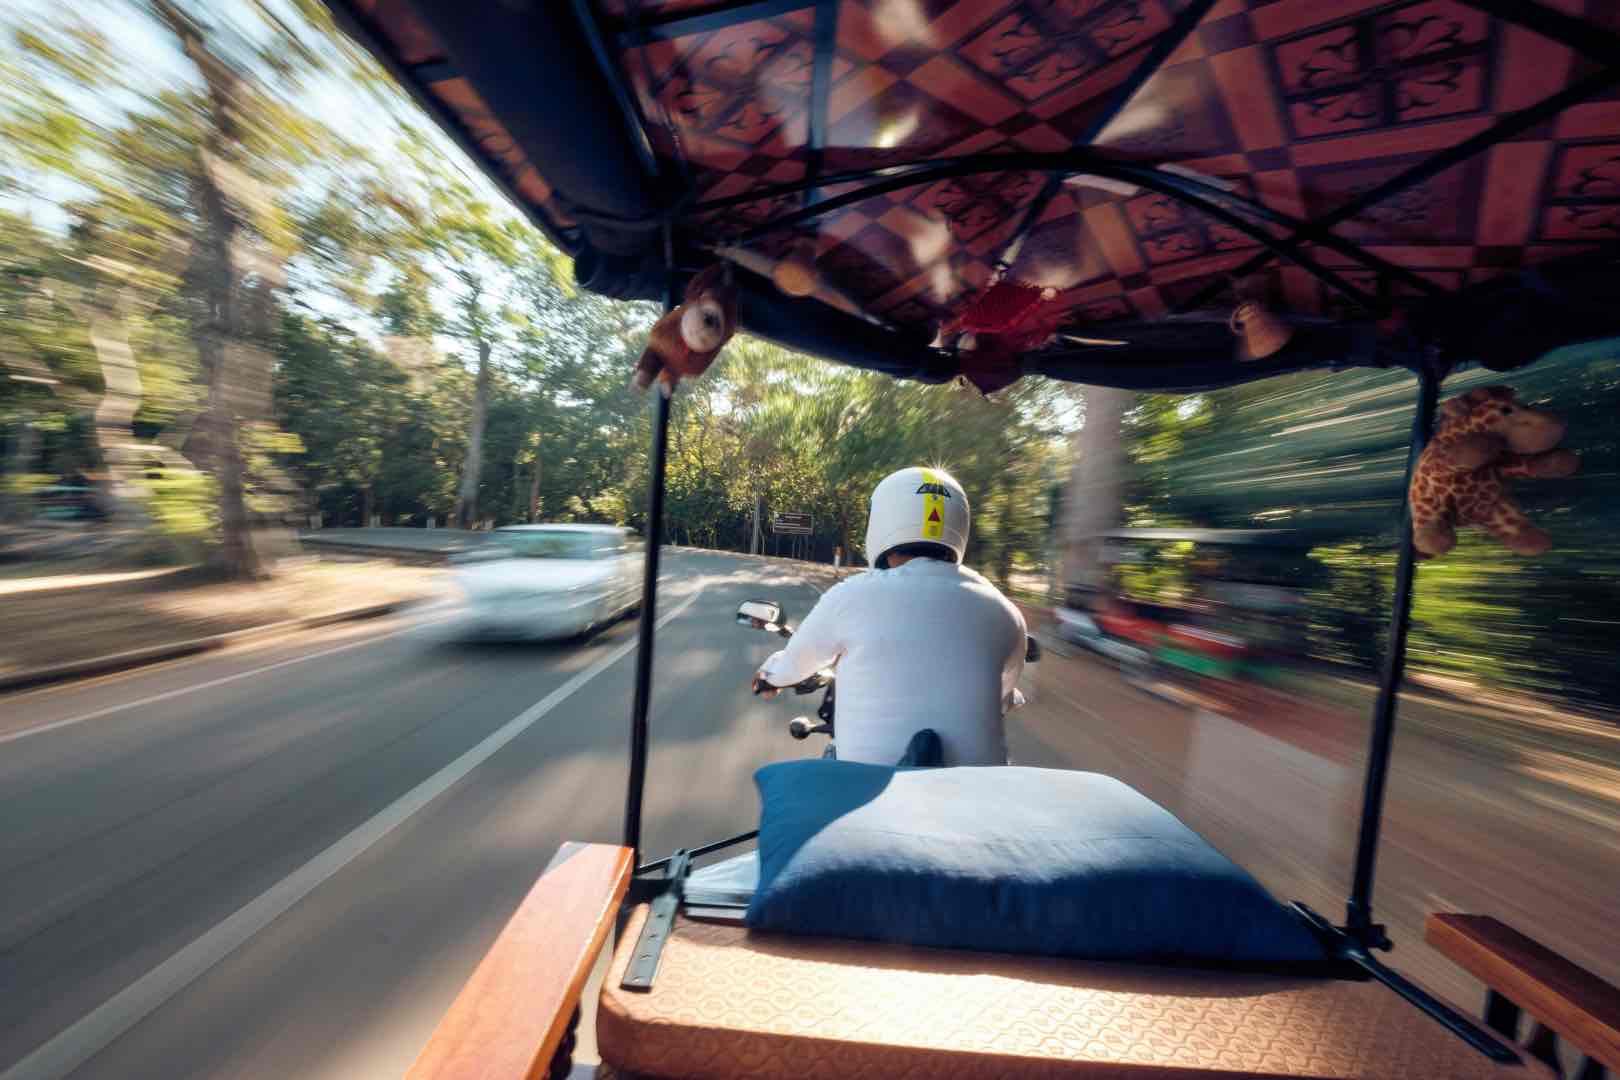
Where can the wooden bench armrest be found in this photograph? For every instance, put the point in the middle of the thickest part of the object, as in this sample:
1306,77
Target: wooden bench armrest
1565,997
511,1016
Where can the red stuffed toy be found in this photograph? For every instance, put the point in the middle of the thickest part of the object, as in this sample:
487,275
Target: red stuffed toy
1003,322
686,340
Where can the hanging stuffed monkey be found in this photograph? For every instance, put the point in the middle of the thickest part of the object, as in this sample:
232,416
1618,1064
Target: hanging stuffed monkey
1484,437
686,340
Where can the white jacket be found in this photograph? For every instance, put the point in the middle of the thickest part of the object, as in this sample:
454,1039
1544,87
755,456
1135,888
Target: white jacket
928,644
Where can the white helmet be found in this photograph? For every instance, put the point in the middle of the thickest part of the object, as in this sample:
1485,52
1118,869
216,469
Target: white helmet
917,506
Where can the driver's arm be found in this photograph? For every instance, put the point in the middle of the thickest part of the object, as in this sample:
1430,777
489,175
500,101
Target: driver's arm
818,642
1013,667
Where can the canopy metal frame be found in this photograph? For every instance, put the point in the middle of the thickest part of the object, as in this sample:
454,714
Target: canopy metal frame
671,197
1248,216
1203,197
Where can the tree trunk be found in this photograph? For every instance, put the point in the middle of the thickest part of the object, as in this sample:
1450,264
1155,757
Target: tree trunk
215,442
108,326
1093,501
998,558
467,497
368,506
534,488
222,349
238,557
25,444
108,302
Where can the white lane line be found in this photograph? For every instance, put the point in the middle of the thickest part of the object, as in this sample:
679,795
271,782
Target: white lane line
221,681
88,1036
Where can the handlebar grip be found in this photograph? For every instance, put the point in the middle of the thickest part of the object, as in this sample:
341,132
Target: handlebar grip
801,728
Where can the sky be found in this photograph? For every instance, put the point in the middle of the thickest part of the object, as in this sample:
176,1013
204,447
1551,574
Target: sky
149,50
153,62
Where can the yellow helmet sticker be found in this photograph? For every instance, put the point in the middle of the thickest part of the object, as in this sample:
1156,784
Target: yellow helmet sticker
933,526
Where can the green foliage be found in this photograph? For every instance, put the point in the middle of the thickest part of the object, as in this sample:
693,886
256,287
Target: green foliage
1347,616
809,436
1164,572
26,484
183,506
1329,451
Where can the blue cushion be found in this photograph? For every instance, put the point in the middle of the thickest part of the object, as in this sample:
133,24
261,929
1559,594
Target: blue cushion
1005,859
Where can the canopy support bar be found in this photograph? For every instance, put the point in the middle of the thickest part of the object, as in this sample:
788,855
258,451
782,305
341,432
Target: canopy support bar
1582,36
821,86
633,124
699,852
1359,923
1352,952
1085,161
667,28
1167,43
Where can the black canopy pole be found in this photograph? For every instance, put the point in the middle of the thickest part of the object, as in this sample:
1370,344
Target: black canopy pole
649,612
1354,942
1358,916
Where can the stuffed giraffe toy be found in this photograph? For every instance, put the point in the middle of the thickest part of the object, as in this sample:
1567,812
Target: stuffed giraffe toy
1484,437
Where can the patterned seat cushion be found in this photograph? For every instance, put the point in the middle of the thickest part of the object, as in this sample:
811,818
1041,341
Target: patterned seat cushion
729,1002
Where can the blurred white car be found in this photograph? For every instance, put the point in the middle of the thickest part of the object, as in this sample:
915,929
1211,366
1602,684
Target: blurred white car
536,582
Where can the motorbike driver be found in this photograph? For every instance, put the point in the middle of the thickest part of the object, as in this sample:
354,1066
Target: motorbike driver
921,642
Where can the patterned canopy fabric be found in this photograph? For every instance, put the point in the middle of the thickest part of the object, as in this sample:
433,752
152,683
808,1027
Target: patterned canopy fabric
1357,162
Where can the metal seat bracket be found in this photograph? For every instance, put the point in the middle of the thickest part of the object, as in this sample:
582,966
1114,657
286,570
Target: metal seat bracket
643,966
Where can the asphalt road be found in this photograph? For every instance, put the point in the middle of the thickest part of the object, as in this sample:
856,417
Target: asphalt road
148,811
284,861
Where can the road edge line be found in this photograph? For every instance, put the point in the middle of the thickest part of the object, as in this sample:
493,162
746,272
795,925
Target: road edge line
113,663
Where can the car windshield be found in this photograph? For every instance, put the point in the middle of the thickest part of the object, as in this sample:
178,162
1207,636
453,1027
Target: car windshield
554,544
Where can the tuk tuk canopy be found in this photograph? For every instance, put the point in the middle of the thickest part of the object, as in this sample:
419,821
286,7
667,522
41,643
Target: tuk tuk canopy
1429,182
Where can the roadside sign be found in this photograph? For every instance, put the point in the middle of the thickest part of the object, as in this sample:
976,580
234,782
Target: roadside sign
792,524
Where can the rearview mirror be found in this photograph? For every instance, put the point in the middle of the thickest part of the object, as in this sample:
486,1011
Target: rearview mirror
759,614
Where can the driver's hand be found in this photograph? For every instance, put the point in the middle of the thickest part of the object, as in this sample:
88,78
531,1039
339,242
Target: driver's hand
763,688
